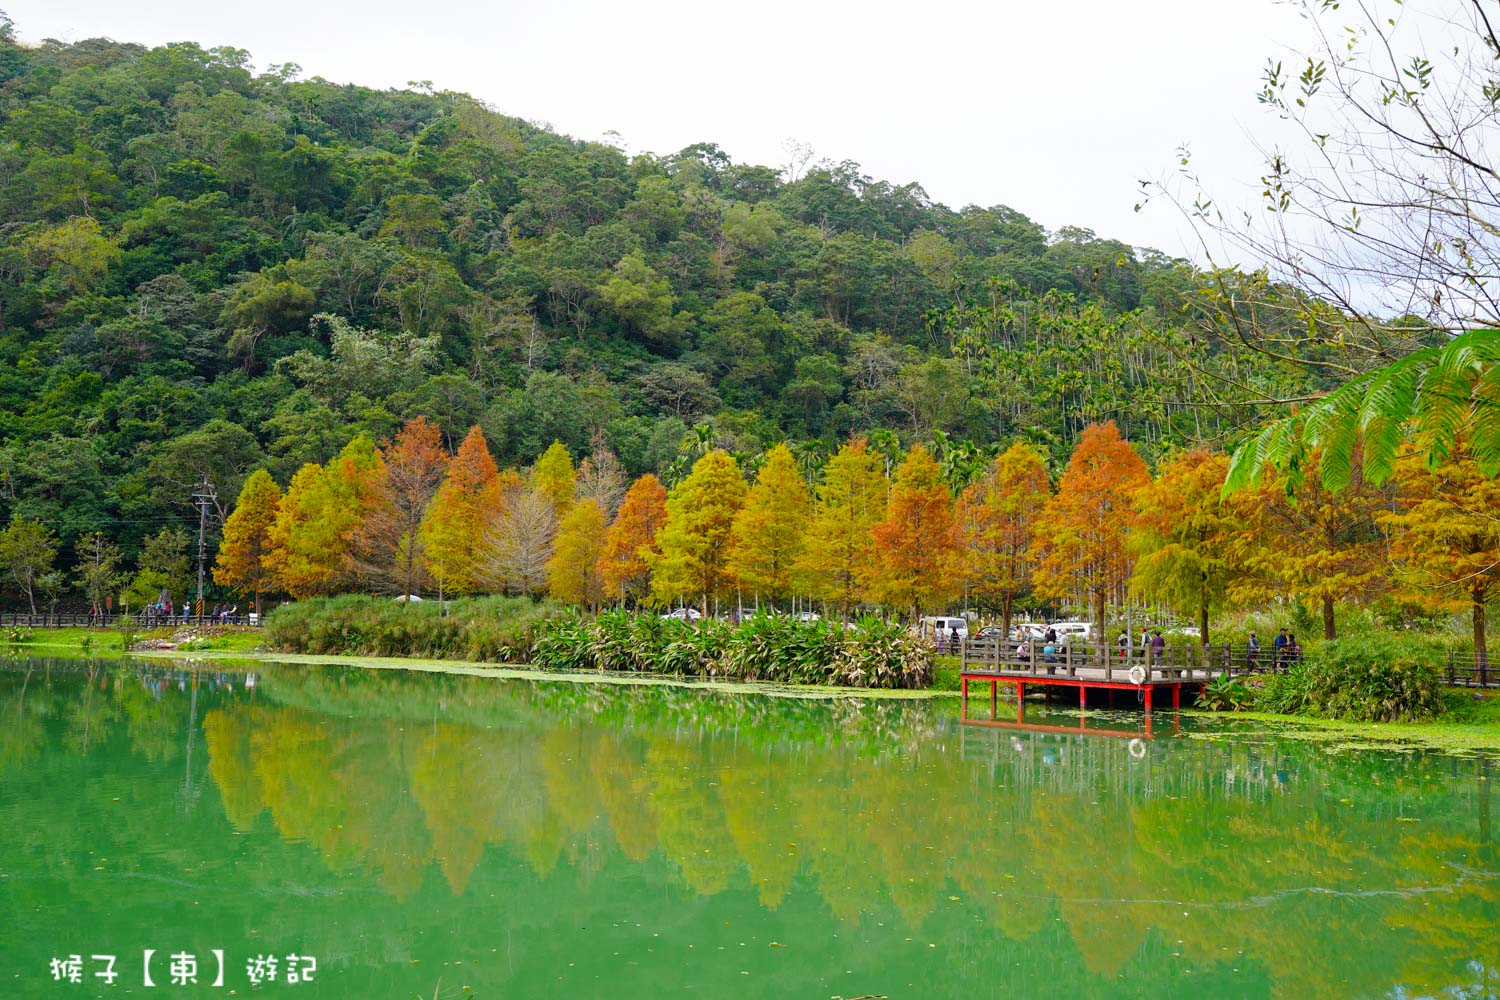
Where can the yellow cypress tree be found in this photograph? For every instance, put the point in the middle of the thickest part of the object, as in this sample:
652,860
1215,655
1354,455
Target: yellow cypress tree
240,562
572,572
554,477
311,540
291,567
458,520
1445,537
770,531
694,541
1183,536
1322,547
838,561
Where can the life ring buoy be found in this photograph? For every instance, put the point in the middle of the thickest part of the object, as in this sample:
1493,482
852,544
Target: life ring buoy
1137,675
1137,749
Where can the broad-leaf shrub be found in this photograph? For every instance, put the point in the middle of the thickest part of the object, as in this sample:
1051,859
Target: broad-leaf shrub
1372,679
763,648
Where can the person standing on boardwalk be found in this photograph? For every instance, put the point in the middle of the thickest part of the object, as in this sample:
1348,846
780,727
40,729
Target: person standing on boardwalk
1280,645
1253,651
1158,646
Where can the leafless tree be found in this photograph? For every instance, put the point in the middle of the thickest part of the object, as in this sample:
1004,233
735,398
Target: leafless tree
519,543
602,478
1379,222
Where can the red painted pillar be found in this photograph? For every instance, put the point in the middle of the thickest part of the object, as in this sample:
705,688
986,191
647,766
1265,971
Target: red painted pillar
1148,700
1083,696
1020,701
1176,695
994,699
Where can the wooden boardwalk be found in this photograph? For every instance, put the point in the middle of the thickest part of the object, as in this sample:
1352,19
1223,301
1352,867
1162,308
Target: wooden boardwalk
1089,666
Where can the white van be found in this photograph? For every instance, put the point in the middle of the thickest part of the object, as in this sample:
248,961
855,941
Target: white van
945,628
1073,630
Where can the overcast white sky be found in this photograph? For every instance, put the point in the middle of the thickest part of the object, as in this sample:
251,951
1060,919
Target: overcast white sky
1054,109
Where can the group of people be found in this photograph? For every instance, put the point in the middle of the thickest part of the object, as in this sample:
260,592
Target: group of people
1285,651
1154,641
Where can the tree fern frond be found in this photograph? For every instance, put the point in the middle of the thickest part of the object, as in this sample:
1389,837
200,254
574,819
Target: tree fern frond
1484,423
1440,410
1436,395
1383,415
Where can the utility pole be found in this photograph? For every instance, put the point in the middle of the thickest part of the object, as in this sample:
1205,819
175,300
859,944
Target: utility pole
204,496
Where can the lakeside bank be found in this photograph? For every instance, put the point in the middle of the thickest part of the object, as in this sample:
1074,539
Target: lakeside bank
1471,723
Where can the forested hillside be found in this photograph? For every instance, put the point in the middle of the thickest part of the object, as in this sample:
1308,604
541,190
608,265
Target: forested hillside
204,270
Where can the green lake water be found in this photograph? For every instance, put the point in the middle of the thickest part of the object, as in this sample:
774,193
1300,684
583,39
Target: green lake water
428,835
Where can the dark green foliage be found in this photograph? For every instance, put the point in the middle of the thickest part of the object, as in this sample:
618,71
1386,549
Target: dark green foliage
1359,678
485,629
1373,679
1225,694
555,289
769,648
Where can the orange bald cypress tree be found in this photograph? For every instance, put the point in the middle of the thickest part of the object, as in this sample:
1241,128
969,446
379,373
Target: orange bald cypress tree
1081,532
917,543
456,524
996,516
625,563
1320,546
389,548
1184,534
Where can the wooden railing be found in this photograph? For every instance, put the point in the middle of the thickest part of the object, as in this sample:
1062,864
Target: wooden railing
82,620
1174,663
1107,662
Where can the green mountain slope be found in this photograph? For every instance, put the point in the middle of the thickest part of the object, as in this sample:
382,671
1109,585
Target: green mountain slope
204,270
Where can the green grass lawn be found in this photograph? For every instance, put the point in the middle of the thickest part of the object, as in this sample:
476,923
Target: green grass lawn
111,642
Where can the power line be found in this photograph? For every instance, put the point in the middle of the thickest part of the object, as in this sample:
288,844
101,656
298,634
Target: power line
202,499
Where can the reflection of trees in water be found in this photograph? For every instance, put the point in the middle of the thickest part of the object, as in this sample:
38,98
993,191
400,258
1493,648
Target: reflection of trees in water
1257,854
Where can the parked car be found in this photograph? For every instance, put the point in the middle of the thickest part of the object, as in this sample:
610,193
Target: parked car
683,614
990,632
